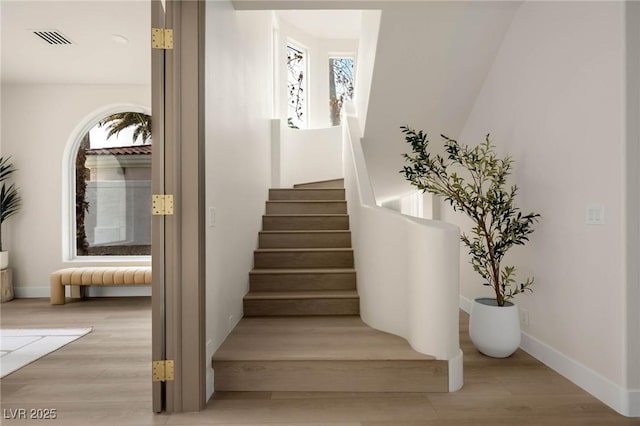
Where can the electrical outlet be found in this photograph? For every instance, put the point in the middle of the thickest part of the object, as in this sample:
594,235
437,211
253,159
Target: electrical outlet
230,322
524,317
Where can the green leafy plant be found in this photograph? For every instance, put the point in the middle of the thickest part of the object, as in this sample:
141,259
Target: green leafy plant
10,199
141,124
473,181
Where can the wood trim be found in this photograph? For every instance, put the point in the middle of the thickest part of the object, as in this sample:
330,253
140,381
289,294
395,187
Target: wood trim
184,177
157,222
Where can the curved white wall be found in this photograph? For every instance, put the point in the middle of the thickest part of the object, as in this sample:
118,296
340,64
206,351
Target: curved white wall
407,267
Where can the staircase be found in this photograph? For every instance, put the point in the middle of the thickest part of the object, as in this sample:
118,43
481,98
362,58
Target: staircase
304,263
301,329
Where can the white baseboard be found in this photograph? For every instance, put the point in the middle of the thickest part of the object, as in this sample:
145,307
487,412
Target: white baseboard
456,372
624,401
44,292
30,292
465,304
634,403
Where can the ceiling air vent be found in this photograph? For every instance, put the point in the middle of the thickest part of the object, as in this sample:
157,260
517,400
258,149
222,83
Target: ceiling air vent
52,36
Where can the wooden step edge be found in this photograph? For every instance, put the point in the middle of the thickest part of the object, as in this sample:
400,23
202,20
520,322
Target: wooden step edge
301,295
323,215
305,231
338,358
306,201
306,189
304,249
337,180
263,271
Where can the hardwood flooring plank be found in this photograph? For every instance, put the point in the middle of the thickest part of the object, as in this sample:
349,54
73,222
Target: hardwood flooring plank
89,384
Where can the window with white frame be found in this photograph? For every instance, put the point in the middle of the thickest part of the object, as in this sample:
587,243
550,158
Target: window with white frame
296,86
113,187
341,85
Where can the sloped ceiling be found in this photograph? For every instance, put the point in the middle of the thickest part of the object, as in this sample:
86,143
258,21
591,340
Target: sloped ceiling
96,55
431,62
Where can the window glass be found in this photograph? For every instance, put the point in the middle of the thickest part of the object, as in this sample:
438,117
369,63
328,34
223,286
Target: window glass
113,187
296,87
341,85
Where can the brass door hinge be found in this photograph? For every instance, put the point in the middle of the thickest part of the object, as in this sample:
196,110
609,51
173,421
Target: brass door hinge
162,204
162,38
162,371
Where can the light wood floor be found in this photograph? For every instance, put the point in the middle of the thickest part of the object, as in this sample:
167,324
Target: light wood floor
103,379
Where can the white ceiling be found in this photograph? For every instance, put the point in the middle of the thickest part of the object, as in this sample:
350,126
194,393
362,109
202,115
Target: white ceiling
93,58
341,24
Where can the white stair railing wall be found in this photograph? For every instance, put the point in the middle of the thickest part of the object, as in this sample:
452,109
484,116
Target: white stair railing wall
408,268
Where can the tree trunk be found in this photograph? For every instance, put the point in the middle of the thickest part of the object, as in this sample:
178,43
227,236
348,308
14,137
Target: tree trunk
82,206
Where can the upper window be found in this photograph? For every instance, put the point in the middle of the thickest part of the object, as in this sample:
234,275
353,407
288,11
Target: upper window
296,86
341,85
113,187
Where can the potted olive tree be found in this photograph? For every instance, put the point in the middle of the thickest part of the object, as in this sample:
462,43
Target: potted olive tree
9,202
474,182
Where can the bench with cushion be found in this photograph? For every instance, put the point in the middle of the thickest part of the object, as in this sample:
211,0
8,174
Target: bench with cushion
96,276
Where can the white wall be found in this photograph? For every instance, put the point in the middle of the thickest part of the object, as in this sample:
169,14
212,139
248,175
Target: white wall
633,199
318,52
310,155
238,103
368,43
37,124
554,99
430,62
407,267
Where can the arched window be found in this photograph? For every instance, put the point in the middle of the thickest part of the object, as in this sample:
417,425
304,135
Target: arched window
111,181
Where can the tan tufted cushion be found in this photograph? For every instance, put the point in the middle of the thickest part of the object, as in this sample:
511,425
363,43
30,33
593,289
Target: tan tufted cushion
97,275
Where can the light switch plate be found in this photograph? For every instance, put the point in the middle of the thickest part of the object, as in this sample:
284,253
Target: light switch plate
594,215
212,216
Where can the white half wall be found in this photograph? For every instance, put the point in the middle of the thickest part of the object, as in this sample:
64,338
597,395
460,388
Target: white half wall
554,100
37,124
238,103
407,267
310,155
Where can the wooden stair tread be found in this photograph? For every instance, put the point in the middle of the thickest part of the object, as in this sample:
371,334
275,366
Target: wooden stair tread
307,294
293,215
328,184
306,231
306,201
259,271
303,249
340,338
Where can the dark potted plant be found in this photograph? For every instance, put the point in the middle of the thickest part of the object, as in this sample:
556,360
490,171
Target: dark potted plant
10,201
474,181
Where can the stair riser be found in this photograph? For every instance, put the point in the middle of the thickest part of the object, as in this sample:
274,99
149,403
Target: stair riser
331,376
283,223
305,240
288,307
306,194
336,183
293,260
302,282
296,207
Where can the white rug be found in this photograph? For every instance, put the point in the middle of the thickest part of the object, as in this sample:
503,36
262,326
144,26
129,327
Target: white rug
19,347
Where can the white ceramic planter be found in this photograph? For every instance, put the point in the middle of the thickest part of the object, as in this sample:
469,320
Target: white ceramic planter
4,259
494,330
